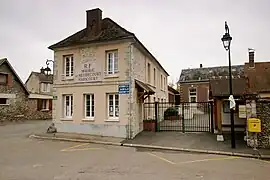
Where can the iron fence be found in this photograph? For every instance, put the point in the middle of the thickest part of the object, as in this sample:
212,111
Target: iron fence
186,117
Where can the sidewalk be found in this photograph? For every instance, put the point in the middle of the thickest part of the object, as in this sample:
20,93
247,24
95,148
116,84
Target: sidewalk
198,141
187,142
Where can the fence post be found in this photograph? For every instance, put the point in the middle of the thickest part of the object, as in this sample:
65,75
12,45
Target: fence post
156,116
212,119
183,118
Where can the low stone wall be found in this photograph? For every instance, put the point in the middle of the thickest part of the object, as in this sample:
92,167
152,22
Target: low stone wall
263,113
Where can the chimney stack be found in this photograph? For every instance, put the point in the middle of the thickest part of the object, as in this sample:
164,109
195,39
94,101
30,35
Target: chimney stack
42,70
251,53
200,65
94,21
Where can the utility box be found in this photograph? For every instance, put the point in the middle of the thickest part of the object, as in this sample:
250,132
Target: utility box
254,125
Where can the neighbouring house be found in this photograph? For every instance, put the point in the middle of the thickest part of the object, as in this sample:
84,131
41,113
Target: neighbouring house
40,87
173,95
193,84
219,93
102,76
258,74
13,94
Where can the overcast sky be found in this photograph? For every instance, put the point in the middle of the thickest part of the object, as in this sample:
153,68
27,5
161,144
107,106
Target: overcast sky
180,34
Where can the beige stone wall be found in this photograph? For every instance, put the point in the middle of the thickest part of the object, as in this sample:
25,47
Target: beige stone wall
100,89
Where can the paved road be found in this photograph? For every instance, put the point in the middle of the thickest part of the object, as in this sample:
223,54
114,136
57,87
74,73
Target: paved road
30,159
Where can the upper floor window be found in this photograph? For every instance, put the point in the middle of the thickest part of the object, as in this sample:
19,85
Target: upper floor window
3,78
164,81
111,62
68,66
161,82
154,76
149,73
45,87
192,95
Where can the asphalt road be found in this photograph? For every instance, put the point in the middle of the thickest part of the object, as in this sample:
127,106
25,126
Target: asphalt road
30,159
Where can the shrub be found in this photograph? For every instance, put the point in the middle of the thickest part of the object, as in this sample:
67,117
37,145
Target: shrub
171,111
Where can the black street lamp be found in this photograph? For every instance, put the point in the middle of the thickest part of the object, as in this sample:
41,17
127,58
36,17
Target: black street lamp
226,39
48,70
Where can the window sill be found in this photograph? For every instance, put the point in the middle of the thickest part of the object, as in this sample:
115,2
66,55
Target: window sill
4,104
107,76
112,120
88,120
44,110
66,119
67,78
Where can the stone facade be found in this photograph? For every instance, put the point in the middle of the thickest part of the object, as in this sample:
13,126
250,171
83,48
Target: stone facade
18,104
263,113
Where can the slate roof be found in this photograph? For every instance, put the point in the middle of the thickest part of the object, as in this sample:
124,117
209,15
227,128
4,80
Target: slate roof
205,74
220,87
110,31
4,60
259,76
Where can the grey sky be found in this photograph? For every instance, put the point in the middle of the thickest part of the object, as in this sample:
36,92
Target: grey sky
180,34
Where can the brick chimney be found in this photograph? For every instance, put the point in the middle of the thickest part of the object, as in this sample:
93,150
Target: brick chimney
251,53
94,21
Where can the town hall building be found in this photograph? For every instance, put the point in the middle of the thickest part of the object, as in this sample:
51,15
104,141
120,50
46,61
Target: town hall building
102,76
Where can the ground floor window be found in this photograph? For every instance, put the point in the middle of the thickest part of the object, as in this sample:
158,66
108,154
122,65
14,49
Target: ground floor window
113,105
3,101
68,106
89,106
45,104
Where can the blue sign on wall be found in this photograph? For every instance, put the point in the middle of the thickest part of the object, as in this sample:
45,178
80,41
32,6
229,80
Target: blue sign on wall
123,89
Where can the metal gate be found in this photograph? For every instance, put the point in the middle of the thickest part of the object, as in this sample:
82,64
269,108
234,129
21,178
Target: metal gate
186,117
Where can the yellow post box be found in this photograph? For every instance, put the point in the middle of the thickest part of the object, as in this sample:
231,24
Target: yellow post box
254,125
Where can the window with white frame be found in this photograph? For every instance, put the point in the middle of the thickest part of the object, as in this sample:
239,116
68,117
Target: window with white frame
192,95
111,62
113,106
89,106
45,87
68,66
68,106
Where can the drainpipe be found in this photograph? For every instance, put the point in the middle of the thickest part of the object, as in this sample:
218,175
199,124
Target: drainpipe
130,90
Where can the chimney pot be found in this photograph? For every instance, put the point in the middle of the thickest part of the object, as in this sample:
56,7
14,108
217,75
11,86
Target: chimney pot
200,65
251,53
94,21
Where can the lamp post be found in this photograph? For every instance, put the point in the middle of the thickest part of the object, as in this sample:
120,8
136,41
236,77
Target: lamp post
47,70
226,39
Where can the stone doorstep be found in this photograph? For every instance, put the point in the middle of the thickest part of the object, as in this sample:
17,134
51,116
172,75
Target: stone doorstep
228,153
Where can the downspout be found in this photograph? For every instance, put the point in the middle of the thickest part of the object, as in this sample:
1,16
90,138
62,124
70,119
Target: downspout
130,90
